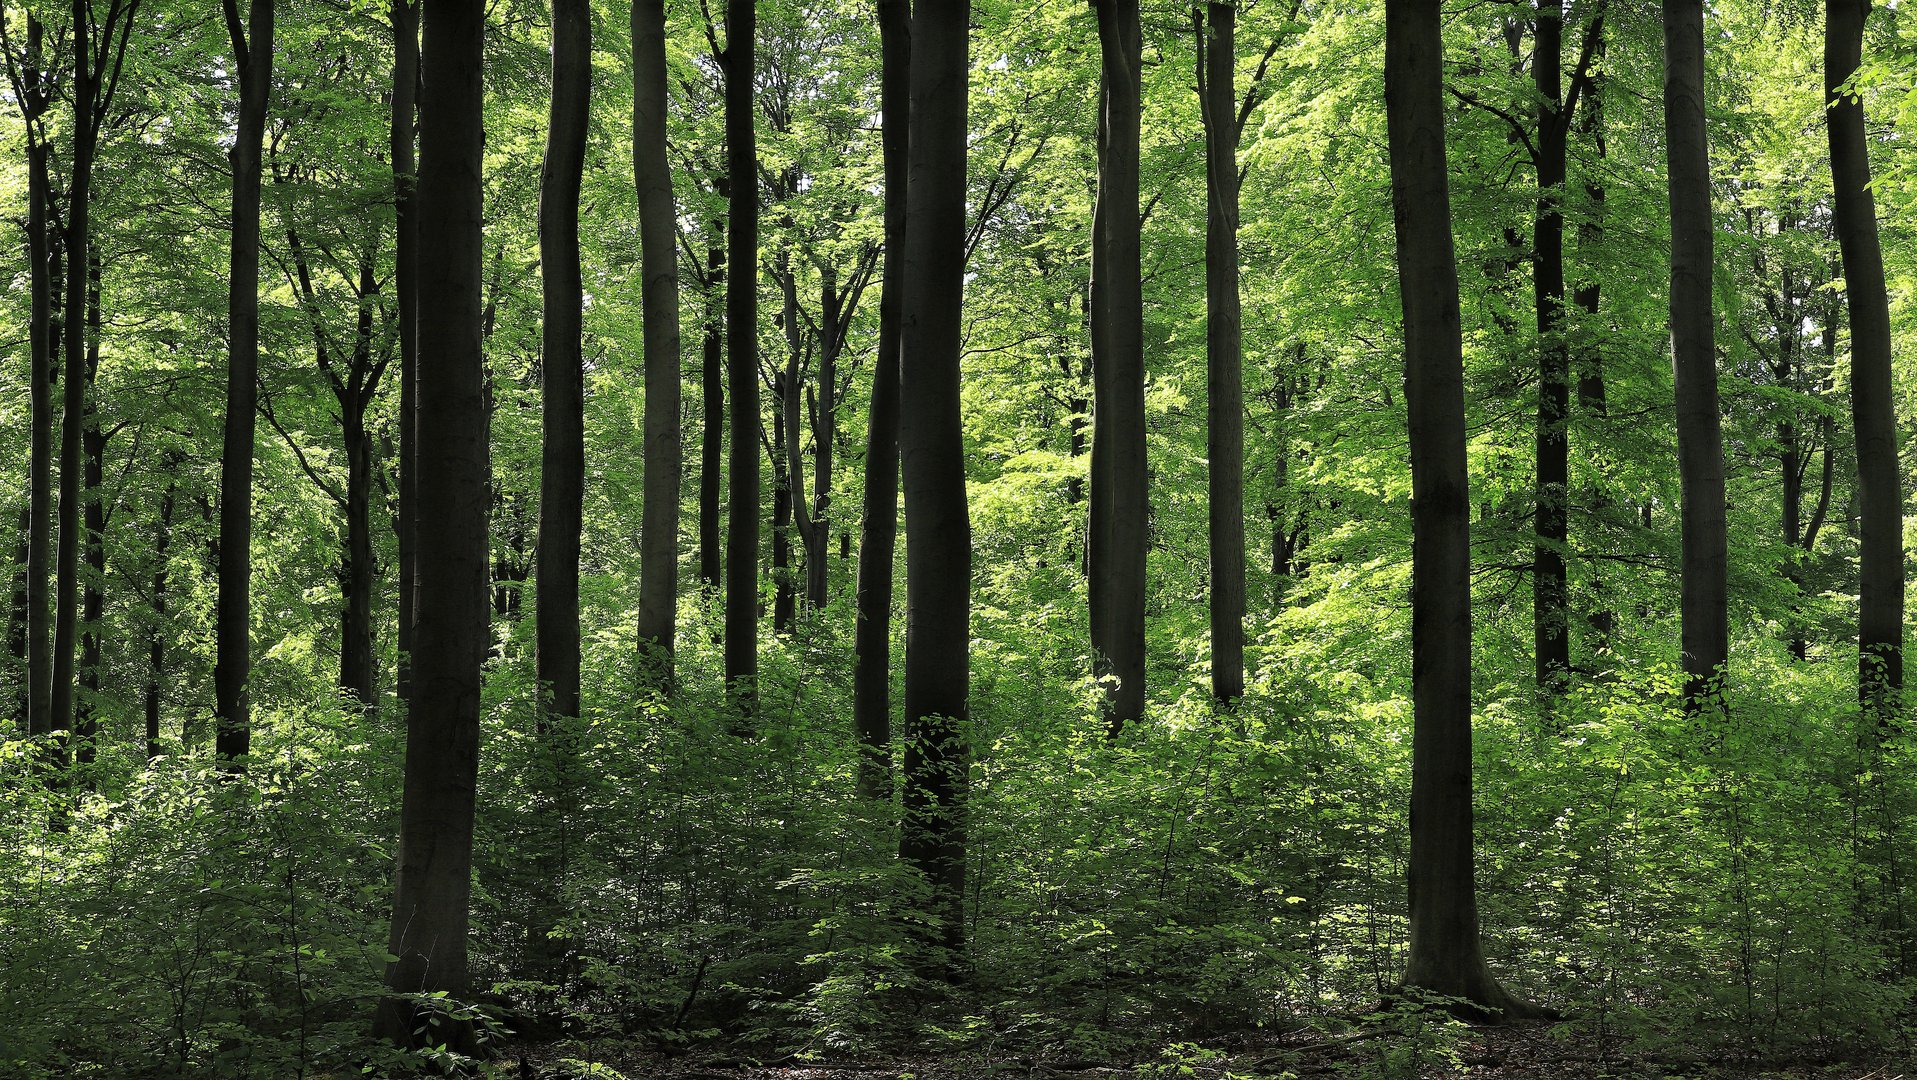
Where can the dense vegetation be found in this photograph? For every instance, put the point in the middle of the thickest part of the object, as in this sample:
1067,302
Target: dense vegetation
860,527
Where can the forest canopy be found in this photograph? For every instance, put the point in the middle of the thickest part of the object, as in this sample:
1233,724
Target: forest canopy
1254,538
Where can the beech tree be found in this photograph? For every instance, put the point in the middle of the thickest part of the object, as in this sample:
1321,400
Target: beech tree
742,354
1880,495
1445,955
433,878
652,176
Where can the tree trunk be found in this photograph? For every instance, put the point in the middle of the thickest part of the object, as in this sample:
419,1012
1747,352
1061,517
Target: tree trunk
878,528
1592,393
93,442
1445,955
784,602
659,288
1704,607
17,624
1873,405
562,465
359,571
1224,353
405,16
824,410
712,439
788,467
44,283
434,874
1550,598
253,48
1120,502
938,532
742,347
156,641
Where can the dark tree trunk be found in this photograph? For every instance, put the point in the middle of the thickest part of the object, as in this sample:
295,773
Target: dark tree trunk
1704,603
938,532
359,570
434,873
659,288
17,623
788,469
1592,393
712,439
405,16
562,466
878,528
93,442
1550,598
824,409
253,53
1120,502
1873,405
742,347
156,640
1224,353
44,282
1445,955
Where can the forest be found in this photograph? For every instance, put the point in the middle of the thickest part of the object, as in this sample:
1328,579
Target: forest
825,539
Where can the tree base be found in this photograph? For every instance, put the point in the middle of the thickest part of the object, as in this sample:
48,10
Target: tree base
1473,996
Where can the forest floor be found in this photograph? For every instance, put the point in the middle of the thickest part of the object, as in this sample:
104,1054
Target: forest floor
1530,1052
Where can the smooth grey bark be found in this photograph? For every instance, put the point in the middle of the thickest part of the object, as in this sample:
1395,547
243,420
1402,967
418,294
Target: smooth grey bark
659,299
93,444
156,673
879,523
1120,502
712,389
433,882
1880,497
1704,594
1445,954
938,530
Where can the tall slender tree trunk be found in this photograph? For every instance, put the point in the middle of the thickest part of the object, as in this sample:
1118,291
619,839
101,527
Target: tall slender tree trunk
43,283
659,297
712,389
1704,601
359,570
938,530
1880,495
1445,955
1120,502
1224,353
742,348
405,17
823,407
1550,596
157,637
879,523
788,471
1592,393
93,443
253,54
35,98
434,875
562,467
17,623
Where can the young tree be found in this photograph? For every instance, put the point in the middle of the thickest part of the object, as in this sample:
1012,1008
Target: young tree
1120,503
562,466
742,350
1445,956
1224,349
938,528
1880,496
879,524
659,291
253,59
1704,603
433,879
